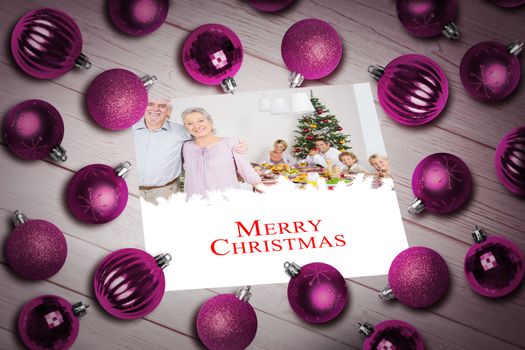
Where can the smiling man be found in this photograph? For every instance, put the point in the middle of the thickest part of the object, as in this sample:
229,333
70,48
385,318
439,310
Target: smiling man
158,146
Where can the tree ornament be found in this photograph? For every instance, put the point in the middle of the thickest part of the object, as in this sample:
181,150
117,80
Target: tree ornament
98,193
428,18
441,183
227,321
311,49
50,322
418,277
35,249
412,89
509,161
313,126
317,292
117,98
305,130
33,129
508,3
309,137
494,266
129,283
491,71
270,5
297,150
138,17
47,43
391,335
339,129
212,54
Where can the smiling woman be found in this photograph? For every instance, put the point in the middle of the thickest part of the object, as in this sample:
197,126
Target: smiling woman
211,162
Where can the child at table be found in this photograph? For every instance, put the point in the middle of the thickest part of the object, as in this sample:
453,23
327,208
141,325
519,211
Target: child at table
350,162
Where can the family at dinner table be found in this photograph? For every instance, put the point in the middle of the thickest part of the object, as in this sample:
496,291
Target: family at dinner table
166,149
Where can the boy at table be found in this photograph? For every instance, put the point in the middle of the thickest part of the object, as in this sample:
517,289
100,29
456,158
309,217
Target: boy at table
350,161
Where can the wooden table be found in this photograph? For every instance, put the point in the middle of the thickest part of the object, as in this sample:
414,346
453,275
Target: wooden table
371,34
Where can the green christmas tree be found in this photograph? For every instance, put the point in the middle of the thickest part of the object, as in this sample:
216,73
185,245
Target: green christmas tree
316,125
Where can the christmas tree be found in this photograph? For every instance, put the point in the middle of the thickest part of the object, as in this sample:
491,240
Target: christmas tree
320,124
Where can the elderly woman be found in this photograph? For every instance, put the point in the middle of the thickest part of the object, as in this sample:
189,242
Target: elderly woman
278,154
210,163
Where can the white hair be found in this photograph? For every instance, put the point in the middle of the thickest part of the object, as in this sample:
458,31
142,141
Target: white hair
196,110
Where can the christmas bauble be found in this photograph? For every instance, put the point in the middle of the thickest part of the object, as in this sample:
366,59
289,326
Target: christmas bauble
270,5
212,54
35,249
509,161
129,283
508,3
490,71
317,292
117,98
98,193
227,321
311,49
418,277
33,129
428,18
46,43
50,322
138,17
412,89
441,183
494,266
391,335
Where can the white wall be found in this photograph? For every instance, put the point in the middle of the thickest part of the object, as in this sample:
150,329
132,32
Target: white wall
238,116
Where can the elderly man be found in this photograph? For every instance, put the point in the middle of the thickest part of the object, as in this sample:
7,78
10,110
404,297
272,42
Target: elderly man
381,164
158,146
322,153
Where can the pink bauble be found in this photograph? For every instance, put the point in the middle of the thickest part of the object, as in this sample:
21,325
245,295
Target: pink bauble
412,89
391,335
49,322
442,183
212,54
270,5
494,266
317,292
428,18
33,129
96,194
35,249
227,321
138,17
418,277
312,49
509,161
46,43
129,283
489,71
508,3
117,99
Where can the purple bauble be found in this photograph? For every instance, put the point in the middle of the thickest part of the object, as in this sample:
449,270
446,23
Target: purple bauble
138,17
97,193
311,49
50,322
490,71
418,277
212,54
129,283
118,98
509,161
227,321
317,292
270,5
46,43
494,266
428,18
508,3
441,183
412,89
391,335
34,129
35,249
